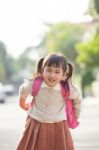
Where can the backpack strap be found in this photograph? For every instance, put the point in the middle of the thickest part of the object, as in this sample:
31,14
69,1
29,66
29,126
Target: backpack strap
35,88
65,90
70,110
36,85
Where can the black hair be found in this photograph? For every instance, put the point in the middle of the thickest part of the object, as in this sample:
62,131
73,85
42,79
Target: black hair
56,60
69,74
69,71
38,70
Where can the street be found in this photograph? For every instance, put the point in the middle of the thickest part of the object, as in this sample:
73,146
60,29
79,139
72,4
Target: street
86,136
12,119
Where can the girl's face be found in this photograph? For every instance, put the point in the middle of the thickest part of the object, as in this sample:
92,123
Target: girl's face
52,75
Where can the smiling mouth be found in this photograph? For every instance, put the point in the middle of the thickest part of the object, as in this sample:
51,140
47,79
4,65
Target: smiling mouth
51,80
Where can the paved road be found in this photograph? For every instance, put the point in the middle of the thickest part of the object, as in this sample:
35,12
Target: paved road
86,136
12,118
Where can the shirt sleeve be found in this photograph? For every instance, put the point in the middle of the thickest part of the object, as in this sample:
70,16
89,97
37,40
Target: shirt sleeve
76,96
25,89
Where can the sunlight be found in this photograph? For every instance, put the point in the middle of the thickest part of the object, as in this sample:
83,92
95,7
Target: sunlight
21,25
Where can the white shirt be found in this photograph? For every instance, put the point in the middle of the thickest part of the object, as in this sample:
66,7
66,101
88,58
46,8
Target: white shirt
49,105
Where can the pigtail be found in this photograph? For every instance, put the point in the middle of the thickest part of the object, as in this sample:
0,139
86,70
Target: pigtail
69,71
38,71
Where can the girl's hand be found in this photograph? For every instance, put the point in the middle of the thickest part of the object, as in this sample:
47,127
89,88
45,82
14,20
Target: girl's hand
24,105
27,106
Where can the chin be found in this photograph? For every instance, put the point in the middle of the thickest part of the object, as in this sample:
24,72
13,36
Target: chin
51,85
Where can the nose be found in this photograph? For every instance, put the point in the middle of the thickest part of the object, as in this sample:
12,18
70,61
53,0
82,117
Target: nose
52,75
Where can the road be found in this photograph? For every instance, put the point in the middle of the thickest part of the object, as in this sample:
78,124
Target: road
86,136
12,119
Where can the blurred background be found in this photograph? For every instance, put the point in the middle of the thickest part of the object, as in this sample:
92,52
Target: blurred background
32,29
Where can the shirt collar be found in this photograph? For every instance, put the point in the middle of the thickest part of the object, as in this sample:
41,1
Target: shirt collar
56,87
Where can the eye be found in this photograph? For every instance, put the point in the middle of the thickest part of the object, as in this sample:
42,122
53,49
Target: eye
57,72
49,70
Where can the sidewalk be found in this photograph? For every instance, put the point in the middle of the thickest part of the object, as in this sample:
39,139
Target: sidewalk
86,136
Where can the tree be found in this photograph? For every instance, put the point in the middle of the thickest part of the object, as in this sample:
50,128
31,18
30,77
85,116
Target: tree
6,64
93,8
63,37
89,52
89,59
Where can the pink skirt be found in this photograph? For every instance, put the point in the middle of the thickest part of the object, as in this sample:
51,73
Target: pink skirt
45,136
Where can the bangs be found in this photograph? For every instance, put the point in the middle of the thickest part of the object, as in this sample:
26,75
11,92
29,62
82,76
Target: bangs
54,62
57,61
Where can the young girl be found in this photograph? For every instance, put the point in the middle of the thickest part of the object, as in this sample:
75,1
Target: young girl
46,125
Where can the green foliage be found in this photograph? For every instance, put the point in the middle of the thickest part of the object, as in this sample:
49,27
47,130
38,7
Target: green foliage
93,8
6,64
88,58
2,72
96,5
62,37
89,52
87,78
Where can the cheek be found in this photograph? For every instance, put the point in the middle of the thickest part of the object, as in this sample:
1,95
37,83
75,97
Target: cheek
61,77
44,73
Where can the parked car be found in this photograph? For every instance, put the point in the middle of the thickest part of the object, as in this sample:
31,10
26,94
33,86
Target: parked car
2,93
9,89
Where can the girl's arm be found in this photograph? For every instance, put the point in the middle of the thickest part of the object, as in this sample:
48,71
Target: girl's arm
23,104
76,97
24,92
77,106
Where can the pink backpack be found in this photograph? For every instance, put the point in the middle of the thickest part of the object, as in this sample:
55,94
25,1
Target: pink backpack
70,112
